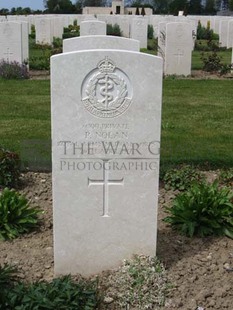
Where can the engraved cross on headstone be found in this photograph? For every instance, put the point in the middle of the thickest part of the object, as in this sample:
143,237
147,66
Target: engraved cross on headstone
8,54
105,182
179,54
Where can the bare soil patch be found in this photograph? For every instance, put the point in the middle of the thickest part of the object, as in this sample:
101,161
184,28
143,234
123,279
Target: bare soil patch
200,270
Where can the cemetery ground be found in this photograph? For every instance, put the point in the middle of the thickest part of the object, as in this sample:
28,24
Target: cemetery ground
196,129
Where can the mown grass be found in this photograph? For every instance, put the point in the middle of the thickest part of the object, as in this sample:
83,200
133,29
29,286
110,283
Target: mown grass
25,113
196,121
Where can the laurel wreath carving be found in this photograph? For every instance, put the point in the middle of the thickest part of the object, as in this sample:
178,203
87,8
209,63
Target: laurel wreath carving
91,90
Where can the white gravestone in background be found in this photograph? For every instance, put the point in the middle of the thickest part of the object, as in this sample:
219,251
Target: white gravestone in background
100,42
230,34
178,53
57,24
161,39
106,119
223,32
139,30
92,27
44,31
25,42
14,41
123,22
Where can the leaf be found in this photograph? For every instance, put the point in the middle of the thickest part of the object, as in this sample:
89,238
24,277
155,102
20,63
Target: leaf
228,233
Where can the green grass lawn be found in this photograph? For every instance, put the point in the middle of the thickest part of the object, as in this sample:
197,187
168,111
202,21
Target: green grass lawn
25,113
196,122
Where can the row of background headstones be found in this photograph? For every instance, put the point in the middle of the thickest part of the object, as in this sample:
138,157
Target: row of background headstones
218,23
175,48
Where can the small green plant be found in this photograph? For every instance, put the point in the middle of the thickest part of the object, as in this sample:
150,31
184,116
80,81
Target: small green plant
9,168
39,63
33,32
203,210
114,30
152,45
150,32
211,62
204,33
140,283
13,70
16,217
71,31
208,46
40,60
7,276
225,69
57,42
226,177
181,178
61,293
7,279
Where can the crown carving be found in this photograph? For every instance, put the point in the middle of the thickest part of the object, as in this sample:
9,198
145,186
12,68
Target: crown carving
106,66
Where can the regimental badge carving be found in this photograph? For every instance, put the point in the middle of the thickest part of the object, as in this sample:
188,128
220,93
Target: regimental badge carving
106,91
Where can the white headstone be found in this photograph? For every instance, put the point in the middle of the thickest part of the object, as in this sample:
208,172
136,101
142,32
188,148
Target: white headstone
123,22
161,39
14,41
216,24
106,119
230,34
57,24
100,42
154,20
223,32
92,27
179,44
44,31
25,42
86,17
139,30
